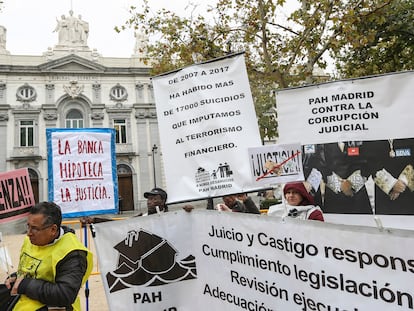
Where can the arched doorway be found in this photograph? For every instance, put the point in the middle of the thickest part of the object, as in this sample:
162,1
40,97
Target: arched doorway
34,180
125,188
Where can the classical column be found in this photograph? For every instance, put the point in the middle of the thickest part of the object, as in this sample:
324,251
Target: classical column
3,97
50,94
97,115
139,90
96,95
50,115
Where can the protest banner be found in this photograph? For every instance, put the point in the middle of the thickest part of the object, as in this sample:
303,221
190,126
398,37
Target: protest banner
358,139
368,108
147,262
233,261
82,171
275,164
16,195
206,120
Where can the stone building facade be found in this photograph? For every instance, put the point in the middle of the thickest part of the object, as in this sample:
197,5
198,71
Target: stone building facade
72,86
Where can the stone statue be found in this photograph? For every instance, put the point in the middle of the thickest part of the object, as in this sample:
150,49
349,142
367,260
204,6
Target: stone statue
62,28
82,30
3,32
72,31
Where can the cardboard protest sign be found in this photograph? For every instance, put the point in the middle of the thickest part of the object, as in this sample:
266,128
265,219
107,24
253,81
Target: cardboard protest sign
16,195
82,170
207,121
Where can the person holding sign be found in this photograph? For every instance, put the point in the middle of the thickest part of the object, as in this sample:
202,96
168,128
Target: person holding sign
53,264
238,203
156,203
299,204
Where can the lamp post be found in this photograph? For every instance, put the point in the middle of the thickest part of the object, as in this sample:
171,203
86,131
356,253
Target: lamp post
154,151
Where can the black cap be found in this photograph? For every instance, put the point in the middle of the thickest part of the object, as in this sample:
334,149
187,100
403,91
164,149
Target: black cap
156,191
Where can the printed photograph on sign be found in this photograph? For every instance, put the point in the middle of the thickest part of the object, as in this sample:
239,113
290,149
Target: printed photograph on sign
362,177
276,164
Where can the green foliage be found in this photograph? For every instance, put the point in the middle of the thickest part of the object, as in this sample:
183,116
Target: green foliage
265,204
280,51
386,43
177,39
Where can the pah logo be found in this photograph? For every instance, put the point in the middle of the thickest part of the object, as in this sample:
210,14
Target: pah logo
150,260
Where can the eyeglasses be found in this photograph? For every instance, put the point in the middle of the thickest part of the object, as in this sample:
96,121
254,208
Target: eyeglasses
37,230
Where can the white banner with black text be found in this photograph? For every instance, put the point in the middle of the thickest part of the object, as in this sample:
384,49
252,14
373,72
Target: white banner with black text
209,260
370,108
358,145
206,120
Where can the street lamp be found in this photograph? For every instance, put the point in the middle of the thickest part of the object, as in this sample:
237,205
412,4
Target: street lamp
154,151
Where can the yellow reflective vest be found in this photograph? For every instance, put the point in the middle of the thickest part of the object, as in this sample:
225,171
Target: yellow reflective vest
39,262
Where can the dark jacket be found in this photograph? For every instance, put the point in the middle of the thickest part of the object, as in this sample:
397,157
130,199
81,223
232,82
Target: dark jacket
69,273
248,206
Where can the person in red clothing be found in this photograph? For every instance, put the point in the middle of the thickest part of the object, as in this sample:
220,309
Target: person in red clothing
299,203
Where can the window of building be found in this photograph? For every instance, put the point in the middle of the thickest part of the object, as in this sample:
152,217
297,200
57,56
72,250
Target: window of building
26,93
120,130
74,119
118,93
123,169
26,133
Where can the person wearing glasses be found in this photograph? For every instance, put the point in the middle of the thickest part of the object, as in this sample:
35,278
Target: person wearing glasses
53,263
299,203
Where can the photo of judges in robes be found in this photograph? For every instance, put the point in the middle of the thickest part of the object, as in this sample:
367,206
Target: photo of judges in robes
344,169
361,177
393,174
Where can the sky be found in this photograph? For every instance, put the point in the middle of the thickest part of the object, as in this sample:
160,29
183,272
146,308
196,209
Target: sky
30,23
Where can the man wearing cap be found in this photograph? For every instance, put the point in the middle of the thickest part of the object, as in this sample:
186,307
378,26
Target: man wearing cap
156,199
156,203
